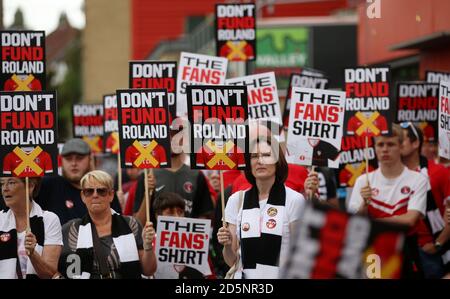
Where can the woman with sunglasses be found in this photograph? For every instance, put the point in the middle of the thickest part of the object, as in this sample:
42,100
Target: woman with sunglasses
260,221
104,244
27,254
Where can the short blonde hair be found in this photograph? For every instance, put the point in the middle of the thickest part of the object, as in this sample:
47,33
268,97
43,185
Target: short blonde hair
397,131
100,176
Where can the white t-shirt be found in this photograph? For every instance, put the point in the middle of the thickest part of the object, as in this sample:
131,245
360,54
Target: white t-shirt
294,206
391,197
53,236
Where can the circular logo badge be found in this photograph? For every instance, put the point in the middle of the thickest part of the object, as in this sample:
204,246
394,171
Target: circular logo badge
272,212
245,226
405,190
188,187
5,237
271,224
69,204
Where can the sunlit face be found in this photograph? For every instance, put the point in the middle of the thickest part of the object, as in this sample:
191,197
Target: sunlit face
13,190
388,149
408,147
263,161
75,166
96,197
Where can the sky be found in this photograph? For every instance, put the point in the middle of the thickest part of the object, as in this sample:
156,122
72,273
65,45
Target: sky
44,14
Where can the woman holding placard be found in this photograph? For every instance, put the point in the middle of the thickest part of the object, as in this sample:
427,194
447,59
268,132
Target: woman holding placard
260,221
108,245
33,252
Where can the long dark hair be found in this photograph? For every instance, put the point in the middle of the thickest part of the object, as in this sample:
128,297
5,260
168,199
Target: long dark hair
281,166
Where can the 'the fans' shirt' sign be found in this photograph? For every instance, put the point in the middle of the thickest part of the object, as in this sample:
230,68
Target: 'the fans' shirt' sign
22,60
418,102
315,127
183,241
196,69
307,79
263,101
444,119
219,129
332,244
110,124
88,125
437,77
28,133
368,108
236,31
144,128
156,74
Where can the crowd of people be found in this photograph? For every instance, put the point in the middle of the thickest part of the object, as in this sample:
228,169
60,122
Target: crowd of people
80,214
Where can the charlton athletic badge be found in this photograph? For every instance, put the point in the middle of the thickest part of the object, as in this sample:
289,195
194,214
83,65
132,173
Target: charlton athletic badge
271,224
405,190
69,204
245,226
188,187
5,237
272,212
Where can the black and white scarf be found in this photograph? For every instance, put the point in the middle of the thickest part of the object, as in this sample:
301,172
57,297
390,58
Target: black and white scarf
261,233
8,241
124,242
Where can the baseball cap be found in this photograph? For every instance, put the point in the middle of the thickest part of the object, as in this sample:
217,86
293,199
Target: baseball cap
75,146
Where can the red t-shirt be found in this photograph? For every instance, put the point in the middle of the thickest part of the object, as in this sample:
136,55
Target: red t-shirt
12,161
132,153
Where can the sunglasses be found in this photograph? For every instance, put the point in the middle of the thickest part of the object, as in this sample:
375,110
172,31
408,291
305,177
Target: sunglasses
406,125
90,191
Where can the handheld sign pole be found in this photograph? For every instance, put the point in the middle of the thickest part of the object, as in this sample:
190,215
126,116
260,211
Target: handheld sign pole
119,172
366,156
27,198
147,201
222,198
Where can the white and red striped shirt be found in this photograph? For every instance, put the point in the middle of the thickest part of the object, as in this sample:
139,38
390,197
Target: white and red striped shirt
392,197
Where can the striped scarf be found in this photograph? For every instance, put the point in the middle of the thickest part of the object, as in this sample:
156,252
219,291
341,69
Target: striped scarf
8,241
261,234
124,242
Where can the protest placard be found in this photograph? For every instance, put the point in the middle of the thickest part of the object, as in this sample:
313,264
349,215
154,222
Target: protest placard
28,133
88,125
417,102
197,69
236,31
369,109
183,241
444,119
219,127
263,101
22,61
331,244
110,124
315,127
144,128
156,74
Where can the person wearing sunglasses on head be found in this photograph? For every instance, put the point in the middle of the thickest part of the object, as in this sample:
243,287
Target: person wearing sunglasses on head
27,254
108,245
433,234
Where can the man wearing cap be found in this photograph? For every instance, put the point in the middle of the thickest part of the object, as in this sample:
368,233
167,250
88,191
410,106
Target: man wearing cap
61,194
